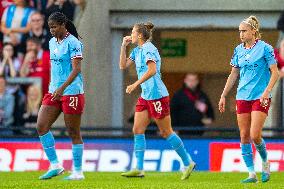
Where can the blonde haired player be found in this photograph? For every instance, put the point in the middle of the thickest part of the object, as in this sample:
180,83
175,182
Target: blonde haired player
255,63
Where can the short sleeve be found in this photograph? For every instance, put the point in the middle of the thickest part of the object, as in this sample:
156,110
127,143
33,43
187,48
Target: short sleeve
269,55
234,60
132,56
76,49
150,56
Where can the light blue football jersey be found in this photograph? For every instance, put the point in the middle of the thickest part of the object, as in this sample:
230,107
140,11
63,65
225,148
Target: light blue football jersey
61,55
153,88
254,64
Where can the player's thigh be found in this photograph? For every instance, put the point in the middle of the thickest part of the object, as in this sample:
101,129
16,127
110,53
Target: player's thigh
72,107
46,117
164,125
244,123
73,122
141,121
257,122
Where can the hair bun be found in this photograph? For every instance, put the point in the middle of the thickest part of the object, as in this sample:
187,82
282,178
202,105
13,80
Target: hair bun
149,26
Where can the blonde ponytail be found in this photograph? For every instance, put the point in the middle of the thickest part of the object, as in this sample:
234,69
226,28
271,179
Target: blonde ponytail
254,23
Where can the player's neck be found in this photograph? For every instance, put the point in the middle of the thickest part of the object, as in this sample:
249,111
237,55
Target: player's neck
250,43
62,36
140,43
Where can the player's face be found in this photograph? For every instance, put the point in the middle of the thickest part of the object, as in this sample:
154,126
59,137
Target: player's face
56,30
246,32
135,36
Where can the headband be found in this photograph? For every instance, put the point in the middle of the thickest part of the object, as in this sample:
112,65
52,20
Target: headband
246,22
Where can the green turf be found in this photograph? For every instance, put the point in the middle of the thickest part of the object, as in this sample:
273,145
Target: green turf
152,180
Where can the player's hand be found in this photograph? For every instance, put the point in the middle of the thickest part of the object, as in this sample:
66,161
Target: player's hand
264,99
126,40
130,88
57,94
222,103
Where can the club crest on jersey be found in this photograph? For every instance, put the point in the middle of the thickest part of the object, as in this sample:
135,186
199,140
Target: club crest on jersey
55,51
247,56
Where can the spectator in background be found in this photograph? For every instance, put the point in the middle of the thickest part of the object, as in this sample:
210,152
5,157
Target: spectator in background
279,55
274,120
33,102
79,10
36,63
9,65
280,27
39,5
6,109
63,6
15,21
190,106
37,31
3,4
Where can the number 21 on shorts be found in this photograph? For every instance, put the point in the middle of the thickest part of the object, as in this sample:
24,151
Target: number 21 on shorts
73,102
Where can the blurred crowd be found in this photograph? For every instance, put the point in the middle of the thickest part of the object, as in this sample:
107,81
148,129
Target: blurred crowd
24,53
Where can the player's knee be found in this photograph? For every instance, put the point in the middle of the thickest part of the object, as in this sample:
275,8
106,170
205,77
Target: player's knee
245,138
256,138
165,133
41,129
137,130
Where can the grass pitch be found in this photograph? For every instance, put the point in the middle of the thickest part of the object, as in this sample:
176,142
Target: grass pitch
152,180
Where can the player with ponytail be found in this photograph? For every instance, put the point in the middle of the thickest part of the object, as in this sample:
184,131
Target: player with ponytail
154,100
65,95
255,65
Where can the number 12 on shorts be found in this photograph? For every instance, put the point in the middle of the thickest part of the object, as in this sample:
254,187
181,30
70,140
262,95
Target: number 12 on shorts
158,106
73,102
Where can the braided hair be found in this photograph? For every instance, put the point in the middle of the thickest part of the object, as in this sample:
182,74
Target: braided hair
60,19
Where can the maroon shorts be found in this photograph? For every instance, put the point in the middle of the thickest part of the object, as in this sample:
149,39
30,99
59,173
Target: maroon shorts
244,106
158,109
68,104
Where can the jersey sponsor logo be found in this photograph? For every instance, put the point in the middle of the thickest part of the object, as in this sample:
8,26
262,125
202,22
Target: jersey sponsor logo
251,67
57,61
227,157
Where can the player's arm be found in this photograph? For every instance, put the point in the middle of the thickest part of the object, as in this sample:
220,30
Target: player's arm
123,61
150,73
273,78
229,85
76,69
